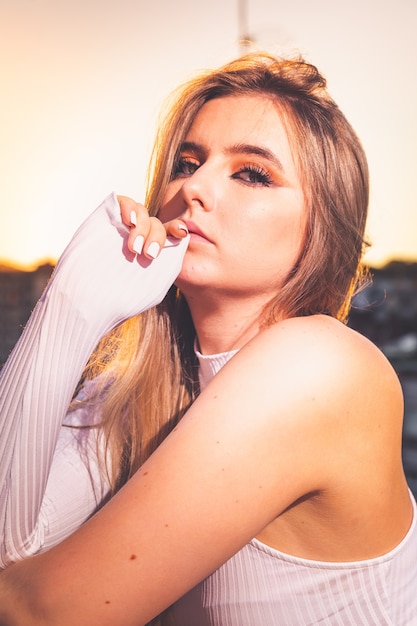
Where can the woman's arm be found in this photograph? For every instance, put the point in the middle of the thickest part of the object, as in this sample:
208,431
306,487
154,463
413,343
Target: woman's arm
245,451
97,284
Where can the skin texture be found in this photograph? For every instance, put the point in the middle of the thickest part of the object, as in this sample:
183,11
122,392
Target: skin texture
280,445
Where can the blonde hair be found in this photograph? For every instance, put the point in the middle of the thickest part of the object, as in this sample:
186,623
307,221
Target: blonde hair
150,378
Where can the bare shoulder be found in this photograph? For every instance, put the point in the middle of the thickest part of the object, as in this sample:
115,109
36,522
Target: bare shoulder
318,331
313,384
319,357
323,345
336,404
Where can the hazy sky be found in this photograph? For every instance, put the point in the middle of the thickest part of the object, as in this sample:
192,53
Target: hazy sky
82,82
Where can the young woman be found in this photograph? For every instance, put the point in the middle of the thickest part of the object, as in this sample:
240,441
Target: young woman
233,449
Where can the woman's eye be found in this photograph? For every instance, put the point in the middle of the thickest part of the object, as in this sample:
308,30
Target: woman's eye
253,175
184,167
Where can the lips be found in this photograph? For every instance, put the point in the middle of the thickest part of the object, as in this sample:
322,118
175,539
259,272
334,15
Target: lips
196,234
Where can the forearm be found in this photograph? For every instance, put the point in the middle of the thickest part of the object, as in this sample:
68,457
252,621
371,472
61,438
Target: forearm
36,387
94,287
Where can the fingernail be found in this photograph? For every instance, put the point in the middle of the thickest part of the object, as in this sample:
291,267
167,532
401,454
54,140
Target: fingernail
182,227
153,249
133,220
138,244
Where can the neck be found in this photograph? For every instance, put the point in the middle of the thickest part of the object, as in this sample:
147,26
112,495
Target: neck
224,325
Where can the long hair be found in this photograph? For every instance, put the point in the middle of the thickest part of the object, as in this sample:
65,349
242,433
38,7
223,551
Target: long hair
144,391
145,370
331,163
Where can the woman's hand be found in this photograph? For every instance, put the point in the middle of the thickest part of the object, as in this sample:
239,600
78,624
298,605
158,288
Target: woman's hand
147,234
102,273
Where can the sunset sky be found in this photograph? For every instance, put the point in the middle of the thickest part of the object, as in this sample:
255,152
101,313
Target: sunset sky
82,83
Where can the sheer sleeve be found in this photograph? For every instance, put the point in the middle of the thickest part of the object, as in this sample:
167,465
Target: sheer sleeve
49,476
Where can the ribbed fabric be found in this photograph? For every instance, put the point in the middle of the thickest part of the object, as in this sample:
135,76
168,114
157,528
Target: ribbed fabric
210,365
261,586
49,480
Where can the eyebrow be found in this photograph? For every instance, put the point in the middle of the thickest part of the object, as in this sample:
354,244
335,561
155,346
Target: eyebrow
191,146
250,149
238,148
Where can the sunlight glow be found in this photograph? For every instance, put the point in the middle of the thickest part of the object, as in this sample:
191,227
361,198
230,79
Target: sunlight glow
83,83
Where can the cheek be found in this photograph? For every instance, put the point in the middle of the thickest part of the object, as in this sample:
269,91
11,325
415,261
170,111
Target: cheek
287,235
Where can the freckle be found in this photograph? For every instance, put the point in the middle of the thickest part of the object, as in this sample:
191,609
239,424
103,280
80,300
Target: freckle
145,473
133,557
107,602
217,441
237,501
166,525
260,486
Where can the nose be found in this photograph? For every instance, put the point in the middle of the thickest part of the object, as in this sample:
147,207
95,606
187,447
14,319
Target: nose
198,190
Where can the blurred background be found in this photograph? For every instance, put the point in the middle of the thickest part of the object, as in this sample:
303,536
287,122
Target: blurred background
82,85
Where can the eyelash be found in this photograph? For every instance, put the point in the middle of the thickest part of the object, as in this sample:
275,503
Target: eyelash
257,174
181,166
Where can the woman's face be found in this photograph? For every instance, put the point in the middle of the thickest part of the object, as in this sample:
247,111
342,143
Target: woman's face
237,188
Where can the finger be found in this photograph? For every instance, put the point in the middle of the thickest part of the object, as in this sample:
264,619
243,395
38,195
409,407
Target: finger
140,229
145,232
154,241
176,228
128,210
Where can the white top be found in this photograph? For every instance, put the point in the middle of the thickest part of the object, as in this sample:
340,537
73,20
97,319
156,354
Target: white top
261,586
49,477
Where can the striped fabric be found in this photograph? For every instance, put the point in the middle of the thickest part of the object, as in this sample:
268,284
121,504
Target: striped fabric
260,586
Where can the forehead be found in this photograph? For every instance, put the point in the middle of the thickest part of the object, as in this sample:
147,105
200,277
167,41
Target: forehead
242,119
246,109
